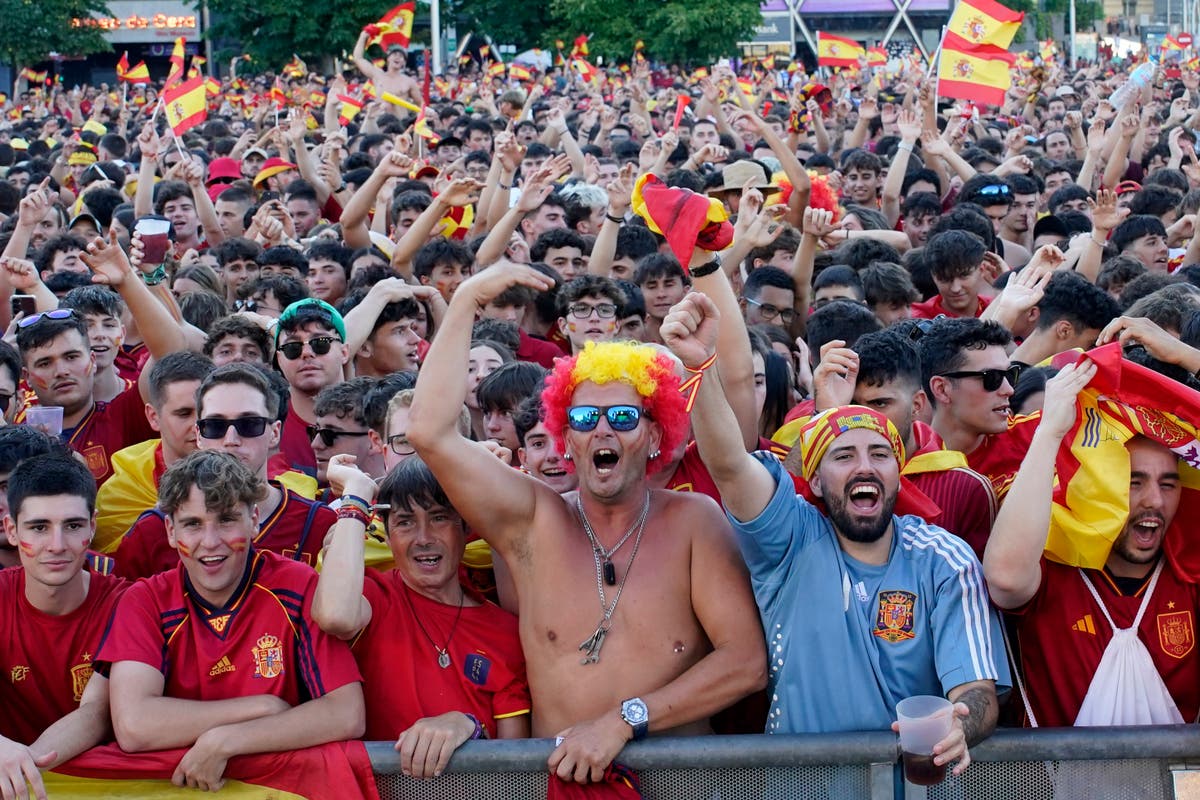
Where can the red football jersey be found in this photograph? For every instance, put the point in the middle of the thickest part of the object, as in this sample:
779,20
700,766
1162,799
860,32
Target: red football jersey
145,551
402,681
48,659
130,360
1062,634
262,641
295,447
110,427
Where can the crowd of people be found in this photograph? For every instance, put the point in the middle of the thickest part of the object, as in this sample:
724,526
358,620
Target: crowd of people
372,447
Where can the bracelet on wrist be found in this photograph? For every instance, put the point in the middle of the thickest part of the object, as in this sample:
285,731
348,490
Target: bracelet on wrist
505,186
692,384
156,277
615,218
353,513
905,146
705,269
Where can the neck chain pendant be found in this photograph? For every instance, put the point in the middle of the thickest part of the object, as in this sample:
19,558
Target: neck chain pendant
443,659
610,573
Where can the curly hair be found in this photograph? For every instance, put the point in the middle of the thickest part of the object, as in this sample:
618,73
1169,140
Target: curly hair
650,372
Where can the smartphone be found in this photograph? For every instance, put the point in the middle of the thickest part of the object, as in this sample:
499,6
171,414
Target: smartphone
24,304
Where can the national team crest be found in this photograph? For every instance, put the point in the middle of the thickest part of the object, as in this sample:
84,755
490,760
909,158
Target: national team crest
80,675
963,69
1176,636
894,622
268,657
975,29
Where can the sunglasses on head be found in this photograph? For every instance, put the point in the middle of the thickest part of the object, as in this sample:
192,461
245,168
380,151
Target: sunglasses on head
246,427
992,379
994,189
329,435
57,313
320,346
620,418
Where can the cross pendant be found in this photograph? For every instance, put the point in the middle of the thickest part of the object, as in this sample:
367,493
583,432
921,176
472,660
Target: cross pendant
593,644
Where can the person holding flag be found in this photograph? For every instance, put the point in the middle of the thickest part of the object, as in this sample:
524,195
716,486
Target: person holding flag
392,32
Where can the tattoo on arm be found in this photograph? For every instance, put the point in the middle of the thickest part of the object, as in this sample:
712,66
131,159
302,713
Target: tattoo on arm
984,711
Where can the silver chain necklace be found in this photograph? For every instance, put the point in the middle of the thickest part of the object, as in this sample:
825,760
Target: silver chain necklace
604,571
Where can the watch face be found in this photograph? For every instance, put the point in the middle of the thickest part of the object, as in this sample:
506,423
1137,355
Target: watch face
634,711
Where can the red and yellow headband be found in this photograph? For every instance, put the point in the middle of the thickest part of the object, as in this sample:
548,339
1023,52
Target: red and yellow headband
820,432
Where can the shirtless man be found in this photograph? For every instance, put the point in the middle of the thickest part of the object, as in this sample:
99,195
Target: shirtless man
673,651
393,80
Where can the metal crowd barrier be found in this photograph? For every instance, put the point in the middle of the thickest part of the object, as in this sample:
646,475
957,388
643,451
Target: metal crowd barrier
1137,763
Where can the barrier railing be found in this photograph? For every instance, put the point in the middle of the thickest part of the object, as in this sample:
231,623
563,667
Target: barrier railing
1147,763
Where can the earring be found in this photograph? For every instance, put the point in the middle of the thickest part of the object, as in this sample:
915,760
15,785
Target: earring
655,454
567,457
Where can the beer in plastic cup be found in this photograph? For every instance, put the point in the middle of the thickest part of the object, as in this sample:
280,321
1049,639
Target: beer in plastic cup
924,721
154,239
48,419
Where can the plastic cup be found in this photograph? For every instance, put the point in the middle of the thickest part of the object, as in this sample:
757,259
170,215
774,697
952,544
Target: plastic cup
47,419
924,721
154,239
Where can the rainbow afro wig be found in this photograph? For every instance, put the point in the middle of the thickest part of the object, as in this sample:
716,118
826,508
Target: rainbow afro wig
651,374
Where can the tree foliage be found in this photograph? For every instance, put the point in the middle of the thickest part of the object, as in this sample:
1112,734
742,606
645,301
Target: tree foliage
32,29
270,31
522,24
683,31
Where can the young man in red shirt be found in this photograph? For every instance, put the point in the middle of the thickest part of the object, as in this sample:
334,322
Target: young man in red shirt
52,616
236,412
441,665
221,654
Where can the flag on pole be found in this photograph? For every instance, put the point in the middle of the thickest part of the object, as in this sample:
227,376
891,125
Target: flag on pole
520,72
278,95
876,57
186,104
422,129
585,69
495,69
350,108
137,74
837,51
175,74
393,28
1170,43
985,22
33,76
295,68
973,72
580,48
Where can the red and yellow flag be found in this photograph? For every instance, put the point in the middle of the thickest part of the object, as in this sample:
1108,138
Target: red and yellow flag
139,73
585,69
422,129
1169,43
580,48
837,51
175,75
33,76
350,108
186,104
394,27
973,72
876,57
496,69
520,72
985,22
1091,499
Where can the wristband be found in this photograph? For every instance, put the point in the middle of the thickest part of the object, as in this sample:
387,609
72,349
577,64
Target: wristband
615,218
479,733
155,278
1097,242
692,384
357,502
707,268
355,513
504,185
905,146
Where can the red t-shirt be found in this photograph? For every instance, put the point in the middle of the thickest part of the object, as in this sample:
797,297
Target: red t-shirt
1062,634
130,360
295,448
401,677
262,641
110,427
47,659
539,351
145,551
931,308
965,497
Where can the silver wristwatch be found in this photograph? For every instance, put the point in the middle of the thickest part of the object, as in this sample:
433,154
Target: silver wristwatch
634,712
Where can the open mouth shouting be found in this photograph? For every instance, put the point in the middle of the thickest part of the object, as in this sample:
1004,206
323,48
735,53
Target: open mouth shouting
865,497
605,460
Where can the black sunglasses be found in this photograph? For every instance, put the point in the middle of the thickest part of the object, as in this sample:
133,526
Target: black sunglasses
57,313
620,418
320,346
246,427
992,379
329,435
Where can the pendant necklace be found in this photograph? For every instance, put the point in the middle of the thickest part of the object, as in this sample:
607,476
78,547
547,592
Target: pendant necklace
606,573
443,658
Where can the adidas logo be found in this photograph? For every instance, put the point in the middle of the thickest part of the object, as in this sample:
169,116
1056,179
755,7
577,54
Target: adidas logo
221,667
1084,625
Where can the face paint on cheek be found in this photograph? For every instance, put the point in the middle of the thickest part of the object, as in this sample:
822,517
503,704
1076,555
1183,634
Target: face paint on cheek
572,327
26,547
38,382
239,545
184,550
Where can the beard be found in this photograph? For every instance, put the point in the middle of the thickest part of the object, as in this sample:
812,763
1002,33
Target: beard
857,528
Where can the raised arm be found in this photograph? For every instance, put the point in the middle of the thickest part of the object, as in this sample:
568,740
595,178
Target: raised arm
604,249
339,607
362,64
910,131
354,215
690,331
193,173
460,192
1012,559
1106,215
495,500
149,145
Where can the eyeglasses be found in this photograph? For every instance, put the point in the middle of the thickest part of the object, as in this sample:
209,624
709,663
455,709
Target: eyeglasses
620,418
769,312
583,310
400,446
329,435
320,346
246,427
920,327
992,379
57,313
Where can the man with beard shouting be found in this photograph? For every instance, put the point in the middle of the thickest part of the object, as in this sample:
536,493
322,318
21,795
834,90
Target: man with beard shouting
861,608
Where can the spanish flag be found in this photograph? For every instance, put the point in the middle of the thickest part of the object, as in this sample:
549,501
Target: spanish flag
137,74
394,27
334,771
175,75
876,57
580,47
585,69
984,22
186,104
973,72
34,76
835,51
1170,43
422,129
520,72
